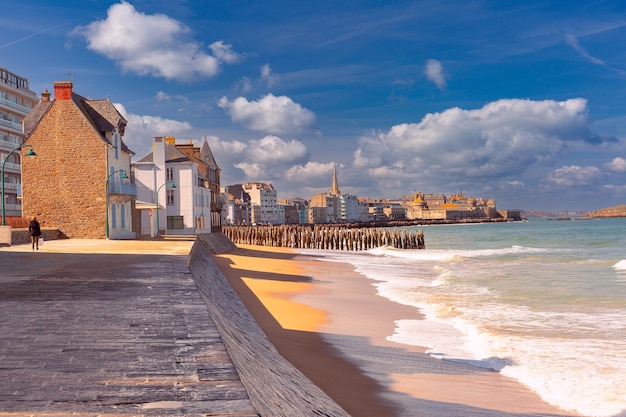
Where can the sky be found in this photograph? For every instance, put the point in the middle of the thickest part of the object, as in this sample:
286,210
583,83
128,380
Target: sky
522,102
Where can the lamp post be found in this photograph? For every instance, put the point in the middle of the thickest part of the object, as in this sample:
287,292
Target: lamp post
171,187
124,177
29,153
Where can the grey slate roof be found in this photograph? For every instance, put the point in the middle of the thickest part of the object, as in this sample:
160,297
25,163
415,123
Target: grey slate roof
101,113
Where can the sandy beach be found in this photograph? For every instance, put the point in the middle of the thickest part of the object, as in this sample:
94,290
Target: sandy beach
328,321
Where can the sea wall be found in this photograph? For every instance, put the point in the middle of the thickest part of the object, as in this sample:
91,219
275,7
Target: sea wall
275,387
15,236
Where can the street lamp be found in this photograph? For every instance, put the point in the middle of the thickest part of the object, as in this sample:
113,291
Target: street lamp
124,177
156,197
29,153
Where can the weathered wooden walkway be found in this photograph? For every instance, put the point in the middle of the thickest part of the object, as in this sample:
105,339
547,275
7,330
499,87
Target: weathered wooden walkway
335,237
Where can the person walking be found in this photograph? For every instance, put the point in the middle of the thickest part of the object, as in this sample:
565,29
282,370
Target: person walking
35,232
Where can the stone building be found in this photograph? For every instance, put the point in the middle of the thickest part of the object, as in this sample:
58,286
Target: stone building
16,101
334,207
79,180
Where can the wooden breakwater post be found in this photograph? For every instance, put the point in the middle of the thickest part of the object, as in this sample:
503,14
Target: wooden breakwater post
335,237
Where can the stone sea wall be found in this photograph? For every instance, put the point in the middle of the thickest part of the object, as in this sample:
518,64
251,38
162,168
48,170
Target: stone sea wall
275,387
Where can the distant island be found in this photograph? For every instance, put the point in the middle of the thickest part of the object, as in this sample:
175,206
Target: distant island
615,211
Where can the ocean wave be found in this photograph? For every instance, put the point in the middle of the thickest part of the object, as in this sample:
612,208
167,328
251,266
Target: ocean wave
621,265
453,255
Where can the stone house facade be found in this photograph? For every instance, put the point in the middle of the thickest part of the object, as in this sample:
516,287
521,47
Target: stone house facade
78,182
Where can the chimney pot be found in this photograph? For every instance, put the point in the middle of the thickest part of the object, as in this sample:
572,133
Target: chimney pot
45,96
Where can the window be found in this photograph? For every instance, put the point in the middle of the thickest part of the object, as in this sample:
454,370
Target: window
117,148
113,219
175,222
123,216
170,197
169,174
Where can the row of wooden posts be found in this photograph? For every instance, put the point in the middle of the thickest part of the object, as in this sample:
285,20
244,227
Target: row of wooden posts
337,237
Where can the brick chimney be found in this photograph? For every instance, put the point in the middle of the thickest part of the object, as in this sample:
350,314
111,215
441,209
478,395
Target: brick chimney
63,90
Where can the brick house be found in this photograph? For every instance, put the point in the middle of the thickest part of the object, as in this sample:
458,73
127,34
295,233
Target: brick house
77,183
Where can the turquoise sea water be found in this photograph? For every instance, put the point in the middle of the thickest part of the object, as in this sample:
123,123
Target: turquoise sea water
540,301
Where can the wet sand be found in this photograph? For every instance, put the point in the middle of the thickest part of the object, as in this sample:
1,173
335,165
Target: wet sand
328,321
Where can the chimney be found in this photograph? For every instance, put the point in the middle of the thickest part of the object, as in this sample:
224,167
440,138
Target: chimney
45,96
63,90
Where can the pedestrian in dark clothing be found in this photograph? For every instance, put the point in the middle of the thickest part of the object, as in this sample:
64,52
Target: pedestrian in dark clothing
35,232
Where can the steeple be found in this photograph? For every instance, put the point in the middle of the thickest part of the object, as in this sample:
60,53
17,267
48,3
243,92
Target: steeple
334,189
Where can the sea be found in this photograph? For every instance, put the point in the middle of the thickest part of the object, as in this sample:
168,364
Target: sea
541,301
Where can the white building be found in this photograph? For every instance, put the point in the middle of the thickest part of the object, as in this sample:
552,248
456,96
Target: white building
16,101
172,178
264,204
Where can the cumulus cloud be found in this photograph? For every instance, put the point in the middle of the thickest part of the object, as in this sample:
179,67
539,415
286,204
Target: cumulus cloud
617,165
435,73
498,142
265,159
575,176
302,173
154,45
141,130
269,114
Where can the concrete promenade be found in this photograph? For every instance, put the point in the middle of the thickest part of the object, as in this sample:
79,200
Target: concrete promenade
110,328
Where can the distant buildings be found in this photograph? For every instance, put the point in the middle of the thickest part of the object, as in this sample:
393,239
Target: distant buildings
16,101
334,207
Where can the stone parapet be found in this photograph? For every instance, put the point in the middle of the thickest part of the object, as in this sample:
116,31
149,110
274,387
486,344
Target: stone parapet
275,387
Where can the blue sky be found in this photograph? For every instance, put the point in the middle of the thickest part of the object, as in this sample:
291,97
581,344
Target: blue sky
522,102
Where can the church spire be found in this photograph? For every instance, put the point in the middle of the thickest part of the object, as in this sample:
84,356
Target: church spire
334,189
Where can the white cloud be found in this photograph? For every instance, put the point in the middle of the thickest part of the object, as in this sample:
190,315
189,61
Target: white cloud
161,96
265,159
153,45
303,173
225,53
273,150
270,114
268,76
141,130
435,73
475,148
617,165
575,176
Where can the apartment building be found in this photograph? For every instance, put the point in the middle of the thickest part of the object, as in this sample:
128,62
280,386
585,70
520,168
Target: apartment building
264,205
16,101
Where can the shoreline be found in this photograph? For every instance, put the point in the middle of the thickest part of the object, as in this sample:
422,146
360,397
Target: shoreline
328,321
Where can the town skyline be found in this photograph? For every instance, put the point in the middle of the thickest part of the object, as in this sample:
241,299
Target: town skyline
519,103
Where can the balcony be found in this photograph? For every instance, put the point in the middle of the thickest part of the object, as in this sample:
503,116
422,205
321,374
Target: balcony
15,106
12,125
122,188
